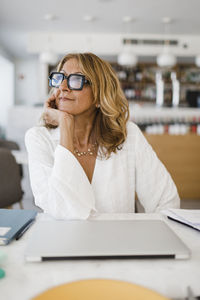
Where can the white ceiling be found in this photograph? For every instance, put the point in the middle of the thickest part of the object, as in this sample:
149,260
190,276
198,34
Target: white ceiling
19,17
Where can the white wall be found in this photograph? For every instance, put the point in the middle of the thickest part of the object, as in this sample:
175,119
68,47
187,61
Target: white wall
109,44
6,90
21,118
26,81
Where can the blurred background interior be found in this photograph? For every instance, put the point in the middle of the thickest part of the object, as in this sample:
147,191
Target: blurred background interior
153,45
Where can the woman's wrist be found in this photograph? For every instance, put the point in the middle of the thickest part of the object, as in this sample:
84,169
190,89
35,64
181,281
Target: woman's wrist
66,133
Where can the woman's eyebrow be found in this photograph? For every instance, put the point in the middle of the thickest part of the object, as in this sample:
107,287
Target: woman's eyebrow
62,71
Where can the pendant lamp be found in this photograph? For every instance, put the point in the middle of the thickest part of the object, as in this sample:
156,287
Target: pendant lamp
49,56
127,56
166,58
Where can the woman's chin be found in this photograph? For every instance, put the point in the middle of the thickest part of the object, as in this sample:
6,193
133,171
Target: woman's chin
65,109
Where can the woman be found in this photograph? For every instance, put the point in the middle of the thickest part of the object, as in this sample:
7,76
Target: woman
87,157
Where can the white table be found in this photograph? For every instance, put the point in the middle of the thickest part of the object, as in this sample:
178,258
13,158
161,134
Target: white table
167,276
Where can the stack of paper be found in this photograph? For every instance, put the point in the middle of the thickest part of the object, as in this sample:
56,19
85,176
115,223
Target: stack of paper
186,216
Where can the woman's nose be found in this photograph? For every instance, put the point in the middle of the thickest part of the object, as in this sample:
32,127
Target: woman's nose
63,86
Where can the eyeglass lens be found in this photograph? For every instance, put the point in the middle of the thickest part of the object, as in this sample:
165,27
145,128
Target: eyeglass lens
56,79
74,81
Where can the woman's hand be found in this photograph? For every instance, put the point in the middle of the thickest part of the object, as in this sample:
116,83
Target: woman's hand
51,113
62,119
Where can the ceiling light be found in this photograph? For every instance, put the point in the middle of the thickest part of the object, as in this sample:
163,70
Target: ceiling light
88,18
127,19
166,58
166,20
127,56
105,1
50,17
49,56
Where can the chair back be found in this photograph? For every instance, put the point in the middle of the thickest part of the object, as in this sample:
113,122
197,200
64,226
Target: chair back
10,179
11,145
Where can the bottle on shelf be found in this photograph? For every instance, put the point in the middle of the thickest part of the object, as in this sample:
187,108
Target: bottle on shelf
184,128
175,90
121,73
166,124
159,90
193,126
138,75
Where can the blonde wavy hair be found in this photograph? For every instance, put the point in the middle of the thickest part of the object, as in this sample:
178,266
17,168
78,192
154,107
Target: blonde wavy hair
113,112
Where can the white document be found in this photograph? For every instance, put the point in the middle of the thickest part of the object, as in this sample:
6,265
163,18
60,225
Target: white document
187,216
4,230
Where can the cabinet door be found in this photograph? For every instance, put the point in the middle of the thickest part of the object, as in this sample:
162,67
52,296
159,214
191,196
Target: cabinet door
181,156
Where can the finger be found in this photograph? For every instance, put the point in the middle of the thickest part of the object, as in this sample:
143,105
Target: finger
49,100
57,92
45,115
49,120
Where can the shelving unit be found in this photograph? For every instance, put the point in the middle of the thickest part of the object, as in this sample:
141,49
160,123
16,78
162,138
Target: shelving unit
136,82
139,83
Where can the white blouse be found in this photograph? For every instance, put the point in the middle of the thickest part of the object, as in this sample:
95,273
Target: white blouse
62,189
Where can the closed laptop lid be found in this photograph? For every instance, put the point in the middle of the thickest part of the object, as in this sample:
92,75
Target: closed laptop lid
52,240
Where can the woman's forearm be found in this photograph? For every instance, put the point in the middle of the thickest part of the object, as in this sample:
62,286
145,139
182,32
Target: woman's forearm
67,134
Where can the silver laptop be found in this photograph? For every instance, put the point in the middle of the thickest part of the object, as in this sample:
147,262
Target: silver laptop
55,240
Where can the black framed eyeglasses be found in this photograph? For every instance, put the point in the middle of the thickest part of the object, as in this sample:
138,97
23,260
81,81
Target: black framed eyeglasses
74,81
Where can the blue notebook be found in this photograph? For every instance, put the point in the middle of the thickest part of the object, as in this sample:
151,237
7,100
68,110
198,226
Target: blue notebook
13,222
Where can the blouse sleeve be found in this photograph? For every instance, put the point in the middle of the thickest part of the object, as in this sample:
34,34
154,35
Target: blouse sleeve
154,185
59,183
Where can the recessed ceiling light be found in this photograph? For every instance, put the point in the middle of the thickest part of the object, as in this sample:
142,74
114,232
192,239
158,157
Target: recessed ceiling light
50,17
105,1
127,19
88,18
166,20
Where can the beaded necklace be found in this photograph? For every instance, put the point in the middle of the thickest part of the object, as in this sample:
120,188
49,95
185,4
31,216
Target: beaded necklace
90,151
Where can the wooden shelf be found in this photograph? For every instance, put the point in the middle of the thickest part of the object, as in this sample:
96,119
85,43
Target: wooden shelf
144,78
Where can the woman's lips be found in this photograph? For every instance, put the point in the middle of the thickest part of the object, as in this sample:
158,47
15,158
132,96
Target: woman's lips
65,99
